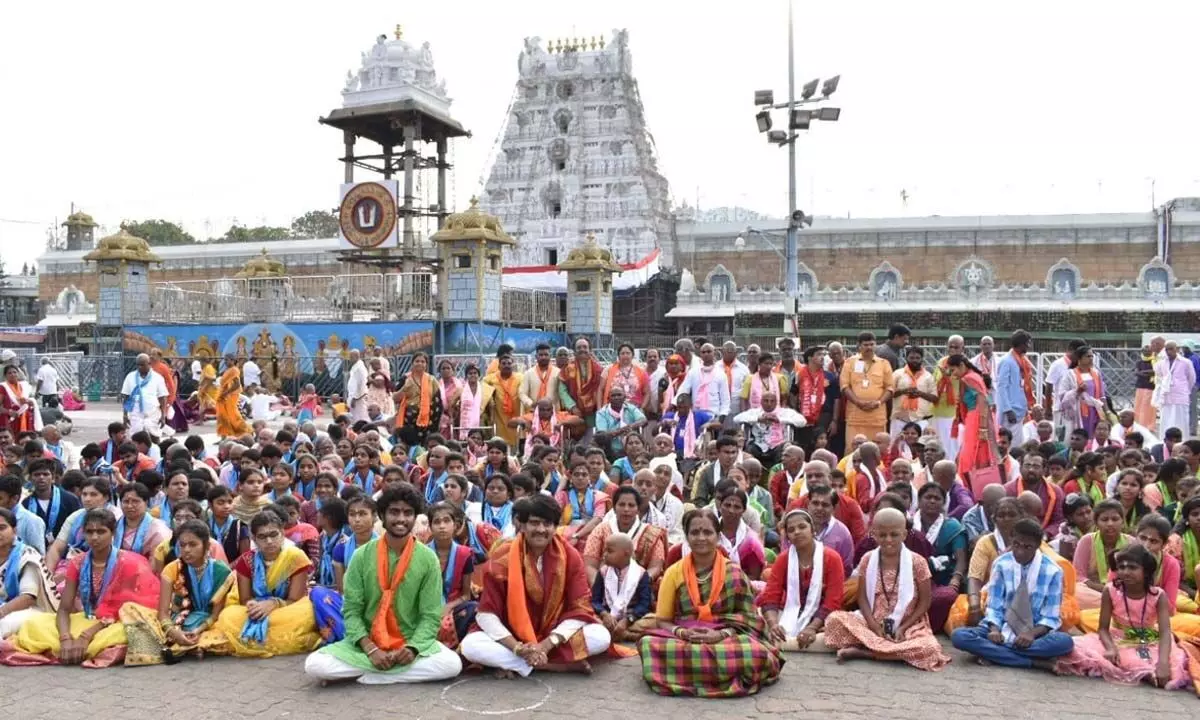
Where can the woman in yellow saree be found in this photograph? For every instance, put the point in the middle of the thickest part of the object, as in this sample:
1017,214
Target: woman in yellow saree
230,422
274,615
207,390
192,592
103,579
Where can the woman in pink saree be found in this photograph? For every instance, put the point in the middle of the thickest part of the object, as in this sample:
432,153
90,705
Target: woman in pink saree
449,385
974,420
473,398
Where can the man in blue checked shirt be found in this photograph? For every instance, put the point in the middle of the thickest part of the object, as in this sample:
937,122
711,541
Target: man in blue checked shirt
1020,627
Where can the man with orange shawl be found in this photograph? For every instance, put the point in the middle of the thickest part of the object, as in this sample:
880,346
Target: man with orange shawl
506,400
535,611
392,607
579,383
230,422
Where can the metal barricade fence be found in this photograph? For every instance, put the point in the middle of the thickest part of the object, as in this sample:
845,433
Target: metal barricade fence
288,375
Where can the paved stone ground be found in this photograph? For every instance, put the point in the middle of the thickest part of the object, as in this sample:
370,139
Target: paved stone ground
812,685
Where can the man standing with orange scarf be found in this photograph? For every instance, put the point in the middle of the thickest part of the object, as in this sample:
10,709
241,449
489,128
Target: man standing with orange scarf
392,607
949,391
535,611
506,402
1014,384
916,392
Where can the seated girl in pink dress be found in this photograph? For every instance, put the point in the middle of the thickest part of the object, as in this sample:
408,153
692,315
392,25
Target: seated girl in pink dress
1134,643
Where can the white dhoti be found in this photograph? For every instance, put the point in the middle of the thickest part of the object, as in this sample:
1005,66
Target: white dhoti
1175,416
149,420
358,410
1017,430
12,622
442,665
945,430
479,648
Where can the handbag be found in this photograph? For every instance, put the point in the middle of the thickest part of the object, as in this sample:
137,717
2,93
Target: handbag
990,474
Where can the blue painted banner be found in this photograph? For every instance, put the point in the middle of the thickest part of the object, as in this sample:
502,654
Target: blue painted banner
308,343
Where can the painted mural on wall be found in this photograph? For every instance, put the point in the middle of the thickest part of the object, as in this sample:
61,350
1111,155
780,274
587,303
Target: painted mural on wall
287,354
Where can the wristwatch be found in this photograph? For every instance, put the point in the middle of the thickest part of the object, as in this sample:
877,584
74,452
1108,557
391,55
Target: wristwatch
556,639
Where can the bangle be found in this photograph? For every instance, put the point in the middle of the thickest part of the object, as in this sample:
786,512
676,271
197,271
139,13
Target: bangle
374,649
676,630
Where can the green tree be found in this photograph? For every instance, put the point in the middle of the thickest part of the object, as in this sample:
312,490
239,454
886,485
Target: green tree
315,224
160,232
263,233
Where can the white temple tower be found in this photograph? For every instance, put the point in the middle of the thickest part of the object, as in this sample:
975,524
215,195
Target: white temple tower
576,157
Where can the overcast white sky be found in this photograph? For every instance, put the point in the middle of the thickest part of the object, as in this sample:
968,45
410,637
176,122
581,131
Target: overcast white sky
201,113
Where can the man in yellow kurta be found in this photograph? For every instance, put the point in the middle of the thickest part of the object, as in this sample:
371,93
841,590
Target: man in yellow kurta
867,385
506,401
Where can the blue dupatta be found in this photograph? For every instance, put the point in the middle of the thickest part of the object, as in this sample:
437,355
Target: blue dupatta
255,631
499,518
12,571
139,537
52,511
90,596
201,586
325,575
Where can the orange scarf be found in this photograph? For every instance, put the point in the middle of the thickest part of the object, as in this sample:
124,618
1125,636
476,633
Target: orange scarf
704,612
543,380
910,403
508,395
385,630
1026,377
728,375
426,400
1051,496
1085,410
515,600
945,383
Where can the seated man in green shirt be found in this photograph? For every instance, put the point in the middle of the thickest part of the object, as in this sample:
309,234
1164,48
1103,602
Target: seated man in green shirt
392,607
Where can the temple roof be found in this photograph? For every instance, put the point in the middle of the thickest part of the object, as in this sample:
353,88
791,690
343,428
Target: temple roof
262,266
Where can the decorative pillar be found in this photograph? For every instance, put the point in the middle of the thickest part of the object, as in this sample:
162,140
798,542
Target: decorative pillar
590,270
471,246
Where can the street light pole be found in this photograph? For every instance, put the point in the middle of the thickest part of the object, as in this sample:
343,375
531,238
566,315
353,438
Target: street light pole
792,250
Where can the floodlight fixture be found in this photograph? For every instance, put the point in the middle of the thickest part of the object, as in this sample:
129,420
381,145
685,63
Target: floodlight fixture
764,121
810,88
764,97
830,86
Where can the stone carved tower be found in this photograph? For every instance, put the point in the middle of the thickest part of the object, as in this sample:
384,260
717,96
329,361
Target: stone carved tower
576,156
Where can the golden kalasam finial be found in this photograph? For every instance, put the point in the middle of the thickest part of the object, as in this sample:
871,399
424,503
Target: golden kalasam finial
558,46
474,201
399,31
595,42
574,43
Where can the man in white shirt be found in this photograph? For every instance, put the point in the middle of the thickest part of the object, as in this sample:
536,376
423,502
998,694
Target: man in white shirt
356,387
251,374
735,372
707,385
47,384
260,405
144,399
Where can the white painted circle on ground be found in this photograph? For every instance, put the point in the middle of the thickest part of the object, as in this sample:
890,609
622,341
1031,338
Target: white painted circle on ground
446,696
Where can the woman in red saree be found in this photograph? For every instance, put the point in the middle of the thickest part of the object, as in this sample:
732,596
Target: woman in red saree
973,421
18,406
418,403
102,580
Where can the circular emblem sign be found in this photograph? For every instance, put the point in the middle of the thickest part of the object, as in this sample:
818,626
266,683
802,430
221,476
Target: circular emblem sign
367,216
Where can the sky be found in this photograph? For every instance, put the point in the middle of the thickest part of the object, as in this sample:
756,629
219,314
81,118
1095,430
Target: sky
206,113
